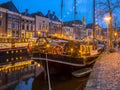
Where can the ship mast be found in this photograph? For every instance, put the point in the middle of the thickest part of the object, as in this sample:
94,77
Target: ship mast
94,20
61,15
75,12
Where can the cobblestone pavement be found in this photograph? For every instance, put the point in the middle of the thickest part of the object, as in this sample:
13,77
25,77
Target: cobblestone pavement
106,73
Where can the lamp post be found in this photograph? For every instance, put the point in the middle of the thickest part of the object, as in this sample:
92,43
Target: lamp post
107,20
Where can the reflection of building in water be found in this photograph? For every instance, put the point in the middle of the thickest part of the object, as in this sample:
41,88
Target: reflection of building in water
10,74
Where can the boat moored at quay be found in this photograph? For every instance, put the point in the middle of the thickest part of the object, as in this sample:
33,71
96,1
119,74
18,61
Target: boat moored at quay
64,55
12,49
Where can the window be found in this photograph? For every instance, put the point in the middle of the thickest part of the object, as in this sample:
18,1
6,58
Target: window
31,27
9,25
9,17
23,20
13,25
43,27
40,26
27,27
23,27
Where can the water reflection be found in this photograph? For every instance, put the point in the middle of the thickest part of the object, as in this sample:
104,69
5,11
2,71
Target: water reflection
60,82
63,81
25,85
16,72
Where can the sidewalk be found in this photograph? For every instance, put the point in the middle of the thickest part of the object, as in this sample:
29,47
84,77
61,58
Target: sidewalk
106,73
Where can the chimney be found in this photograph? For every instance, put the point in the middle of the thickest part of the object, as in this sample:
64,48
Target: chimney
48,11
26,12
53,13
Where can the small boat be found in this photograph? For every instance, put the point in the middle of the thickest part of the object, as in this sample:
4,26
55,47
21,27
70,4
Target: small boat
81,72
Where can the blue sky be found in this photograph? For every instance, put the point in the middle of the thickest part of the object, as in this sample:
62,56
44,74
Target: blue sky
84,7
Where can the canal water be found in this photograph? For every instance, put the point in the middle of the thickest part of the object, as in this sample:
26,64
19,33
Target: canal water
63,81
58,82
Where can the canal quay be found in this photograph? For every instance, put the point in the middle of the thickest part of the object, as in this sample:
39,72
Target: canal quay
106,73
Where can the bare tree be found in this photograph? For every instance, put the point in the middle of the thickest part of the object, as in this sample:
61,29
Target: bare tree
108,7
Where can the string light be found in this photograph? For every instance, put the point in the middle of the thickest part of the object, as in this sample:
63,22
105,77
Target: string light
77,3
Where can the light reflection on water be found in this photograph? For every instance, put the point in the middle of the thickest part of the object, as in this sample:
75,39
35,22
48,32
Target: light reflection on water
25,86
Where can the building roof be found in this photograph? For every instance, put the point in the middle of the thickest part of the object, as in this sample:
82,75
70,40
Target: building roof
10,6
52,17
70,23
90,26
38,14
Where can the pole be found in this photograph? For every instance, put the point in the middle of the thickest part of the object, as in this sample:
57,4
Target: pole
111,31
75,12
61,14
94,20
49,84
108,41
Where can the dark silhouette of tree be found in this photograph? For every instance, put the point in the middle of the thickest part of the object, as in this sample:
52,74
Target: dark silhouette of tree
110,7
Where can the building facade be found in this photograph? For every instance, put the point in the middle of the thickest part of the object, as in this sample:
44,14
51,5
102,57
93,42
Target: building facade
3,25
27,27
10,20
13,24
68,32
41,24
54,24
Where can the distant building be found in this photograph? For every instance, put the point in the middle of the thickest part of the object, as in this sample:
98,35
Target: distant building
13,24
79,28
41,24
3,25
100,34
54,24
68,32
27,25
10,22
89,31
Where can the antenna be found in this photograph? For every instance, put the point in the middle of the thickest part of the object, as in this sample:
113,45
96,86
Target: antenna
75,12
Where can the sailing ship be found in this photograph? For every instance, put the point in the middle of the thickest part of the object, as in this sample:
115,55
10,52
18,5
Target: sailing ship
65,55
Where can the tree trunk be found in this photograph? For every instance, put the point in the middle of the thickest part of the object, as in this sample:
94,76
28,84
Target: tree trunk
111,31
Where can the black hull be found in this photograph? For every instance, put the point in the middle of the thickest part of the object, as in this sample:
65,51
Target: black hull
64,64
13,55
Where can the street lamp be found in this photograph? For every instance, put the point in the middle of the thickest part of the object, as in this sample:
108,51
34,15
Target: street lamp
115,35
107,20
